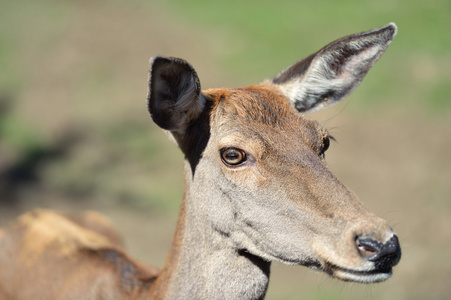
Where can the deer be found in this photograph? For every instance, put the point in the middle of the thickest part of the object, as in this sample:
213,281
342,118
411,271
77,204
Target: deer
257,191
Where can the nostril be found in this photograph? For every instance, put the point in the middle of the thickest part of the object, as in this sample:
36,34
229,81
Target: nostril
383,255
368,248
365,249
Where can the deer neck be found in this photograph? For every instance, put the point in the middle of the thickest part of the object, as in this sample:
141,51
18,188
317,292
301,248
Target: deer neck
203,263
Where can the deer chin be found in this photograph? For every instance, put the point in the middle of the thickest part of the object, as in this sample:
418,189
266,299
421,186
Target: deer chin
371,275
363,275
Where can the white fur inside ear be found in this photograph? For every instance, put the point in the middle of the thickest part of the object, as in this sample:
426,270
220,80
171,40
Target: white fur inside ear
365,57
321,79
332,73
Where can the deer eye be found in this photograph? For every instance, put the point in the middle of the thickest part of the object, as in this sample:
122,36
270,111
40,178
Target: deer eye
326,144
233,156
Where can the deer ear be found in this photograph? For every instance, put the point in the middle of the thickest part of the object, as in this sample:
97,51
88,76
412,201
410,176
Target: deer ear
332,73
174,99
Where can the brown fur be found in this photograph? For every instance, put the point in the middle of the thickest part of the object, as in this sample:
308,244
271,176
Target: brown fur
67,258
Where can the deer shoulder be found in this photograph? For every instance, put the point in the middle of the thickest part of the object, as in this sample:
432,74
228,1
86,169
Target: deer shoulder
68,257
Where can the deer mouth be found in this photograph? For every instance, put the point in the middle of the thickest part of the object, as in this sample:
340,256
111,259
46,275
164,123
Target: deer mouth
365,276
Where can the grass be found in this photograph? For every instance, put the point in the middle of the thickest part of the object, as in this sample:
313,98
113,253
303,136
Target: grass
261,37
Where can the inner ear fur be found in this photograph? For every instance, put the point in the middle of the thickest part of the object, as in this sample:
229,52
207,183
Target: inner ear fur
329,75
174,99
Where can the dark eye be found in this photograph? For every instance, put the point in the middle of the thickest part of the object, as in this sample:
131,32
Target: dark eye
326,144
233,156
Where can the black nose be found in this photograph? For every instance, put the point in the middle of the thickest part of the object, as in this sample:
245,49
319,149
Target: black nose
384,256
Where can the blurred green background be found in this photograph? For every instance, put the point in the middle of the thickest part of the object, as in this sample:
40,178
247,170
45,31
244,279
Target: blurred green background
75,133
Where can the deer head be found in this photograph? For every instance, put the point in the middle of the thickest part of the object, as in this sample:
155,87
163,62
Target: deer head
257,184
